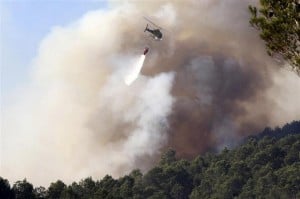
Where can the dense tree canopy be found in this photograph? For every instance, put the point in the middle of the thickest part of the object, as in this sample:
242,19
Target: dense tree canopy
278,22
264,166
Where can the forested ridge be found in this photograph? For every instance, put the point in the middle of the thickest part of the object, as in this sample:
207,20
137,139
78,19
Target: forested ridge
264,166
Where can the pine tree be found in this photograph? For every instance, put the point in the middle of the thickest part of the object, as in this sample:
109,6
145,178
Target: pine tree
278,23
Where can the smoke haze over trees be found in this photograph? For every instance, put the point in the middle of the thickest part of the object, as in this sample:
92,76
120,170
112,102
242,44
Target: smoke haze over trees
208,84
265,166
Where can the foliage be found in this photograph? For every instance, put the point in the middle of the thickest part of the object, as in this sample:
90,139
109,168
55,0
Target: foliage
278,22
264,166
23,189
5,190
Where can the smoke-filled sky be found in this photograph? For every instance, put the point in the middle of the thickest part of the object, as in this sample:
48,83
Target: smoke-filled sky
206,85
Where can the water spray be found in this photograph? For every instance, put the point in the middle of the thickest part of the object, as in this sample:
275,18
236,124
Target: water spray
135,71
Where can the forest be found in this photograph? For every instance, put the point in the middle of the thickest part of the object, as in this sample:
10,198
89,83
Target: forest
266,165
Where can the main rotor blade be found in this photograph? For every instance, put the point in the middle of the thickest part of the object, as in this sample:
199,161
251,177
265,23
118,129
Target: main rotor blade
152,23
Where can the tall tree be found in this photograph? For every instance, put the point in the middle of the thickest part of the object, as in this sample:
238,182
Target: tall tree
278,22
5,190
56,189
23,189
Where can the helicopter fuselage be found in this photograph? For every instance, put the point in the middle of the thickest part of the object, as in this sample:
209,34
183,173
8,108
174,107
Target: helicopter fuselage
155,32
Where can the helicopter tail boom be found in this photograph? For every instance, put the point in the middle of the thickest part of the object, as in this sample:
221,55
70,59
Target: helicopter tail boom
146,28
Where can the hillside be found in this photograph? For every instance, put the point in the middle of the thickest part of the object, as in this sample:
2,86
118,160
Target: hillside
264,166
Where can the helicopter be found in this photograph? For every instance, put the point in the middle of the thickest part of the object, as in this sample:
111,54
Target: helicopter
155,33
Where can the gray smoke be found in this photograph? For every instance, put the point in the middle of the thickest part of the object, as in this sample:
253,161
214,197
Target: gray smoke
205,86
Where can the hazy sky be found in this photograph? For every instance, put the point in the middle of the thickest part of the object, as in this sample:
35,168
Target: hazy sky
24,24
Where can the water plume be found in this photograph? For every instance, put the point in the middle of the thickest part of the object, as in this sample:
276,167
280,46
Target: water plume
134,71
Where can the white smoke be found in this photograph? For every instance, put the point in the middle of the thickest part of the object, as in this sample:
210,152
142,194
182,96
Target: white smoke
77,118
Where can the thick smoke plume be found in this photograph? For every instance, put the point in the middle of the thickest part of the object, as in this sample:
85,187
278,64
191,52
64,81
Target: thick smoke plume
205,86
